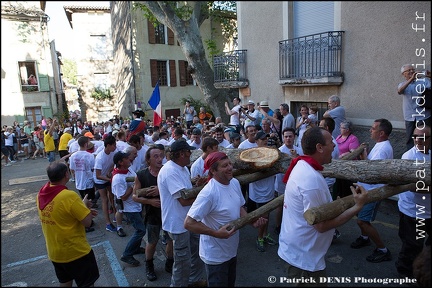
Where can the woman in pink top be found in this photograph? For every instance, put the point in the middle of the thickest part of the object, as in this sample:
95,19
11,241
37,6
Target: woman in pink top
347,142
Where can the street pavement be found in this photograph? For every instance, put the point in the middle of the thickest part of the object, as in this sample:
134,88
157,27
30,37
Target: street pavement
25,264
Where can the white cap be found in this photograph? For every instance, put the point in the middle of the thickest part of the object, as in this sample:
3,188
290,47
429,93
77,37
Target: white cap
251,102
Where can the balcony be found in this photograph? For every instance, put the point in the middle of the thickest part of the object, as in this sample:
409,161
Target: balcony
230,70
311,60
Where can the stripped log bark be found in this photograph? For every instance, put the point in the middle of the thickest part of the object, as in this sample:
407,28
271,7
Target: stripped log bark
323,212
333,209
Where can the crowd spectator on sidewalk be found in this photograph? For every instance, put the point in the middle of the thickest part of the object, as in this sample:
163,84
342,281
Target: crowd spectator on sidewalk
410,89
335,111
9,136
288,119
38,138
50,148
234,113
189,113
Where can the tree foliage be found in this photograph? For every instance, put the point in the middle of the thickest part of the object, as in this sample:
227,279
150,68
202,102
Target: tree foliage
185,19
69,70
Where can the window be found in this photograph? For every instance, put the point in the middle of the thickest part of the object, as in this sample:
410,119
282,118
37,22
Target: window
99,47
101,80
164,71
185,76
160,34
33,115
28,76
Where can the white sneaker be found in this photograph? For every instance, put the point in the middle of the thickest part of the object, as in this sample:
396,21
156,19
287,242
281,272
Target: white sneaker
8,164
72,180
13,161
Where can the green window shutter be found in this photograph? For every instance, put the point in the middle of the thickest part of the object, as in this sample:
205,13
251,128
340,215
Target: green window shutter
43,83
47,112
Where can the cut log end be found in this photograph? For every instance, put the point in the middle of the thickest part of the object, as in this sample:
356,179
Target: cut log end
261,157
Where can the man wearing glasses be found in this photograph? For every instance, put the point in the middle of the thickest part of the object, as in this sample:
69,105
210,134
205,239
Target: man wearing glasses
413,106
415,208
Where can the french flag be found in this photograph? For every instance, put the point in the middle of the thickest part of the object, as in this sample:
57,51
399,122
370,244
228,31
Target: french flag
155,104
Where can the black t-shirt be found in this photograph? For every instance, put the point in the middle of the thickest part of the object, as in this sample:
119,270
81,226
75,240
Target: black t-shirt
153,215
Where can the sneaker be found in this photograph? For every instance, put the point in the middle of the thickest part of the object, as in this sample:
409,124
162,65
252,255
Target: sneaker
337,234
110,227
72,180
260,245
379,256
13,161
114,220
269,240
130,260
8,164
360,242
89,229
121,233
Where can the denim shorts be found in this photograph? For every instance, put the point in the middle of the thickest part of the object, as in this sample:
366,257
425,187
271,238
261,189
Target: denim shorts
369,211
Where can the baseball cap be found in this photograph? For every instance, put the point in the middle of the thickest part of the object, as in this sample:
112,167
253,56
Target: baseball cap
251,102
89,134
229,129
196,131
120,155
181,144
261,135
234,135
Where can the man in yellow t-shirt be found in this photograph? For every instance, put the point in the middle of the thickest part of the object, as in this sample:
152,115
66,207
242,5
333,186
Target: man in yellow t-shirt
49,140
63,143
63,217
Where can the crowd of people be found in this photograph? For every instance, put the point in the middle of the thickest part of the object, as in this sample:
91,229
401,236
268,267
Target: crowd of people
101,159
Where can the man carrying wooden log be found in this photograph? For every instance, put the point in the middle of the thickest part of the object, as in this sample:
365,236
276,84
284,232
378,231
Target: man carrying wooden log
173,177
301,245
218,203
415,208
380,132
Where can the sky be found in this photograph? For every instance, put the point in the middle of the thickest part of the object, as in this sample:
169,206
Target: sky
58,25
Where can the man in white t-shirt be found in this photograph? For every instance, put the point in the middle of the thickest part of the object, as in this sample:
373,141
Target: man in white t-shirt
301,245
260,193
102,178
380,132
251,116
337,112
234,113
410,203
123,191
174,177
288,137
250,141
209,145
81,164
218,203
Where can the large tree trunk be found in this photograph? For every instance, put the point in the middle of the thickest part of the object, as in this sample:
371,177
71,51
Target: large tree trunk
392,171
189,37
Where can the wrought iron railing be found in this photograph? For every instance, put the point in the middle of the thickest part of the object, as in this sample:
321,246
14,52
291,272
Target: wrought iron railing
230,66
312,56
